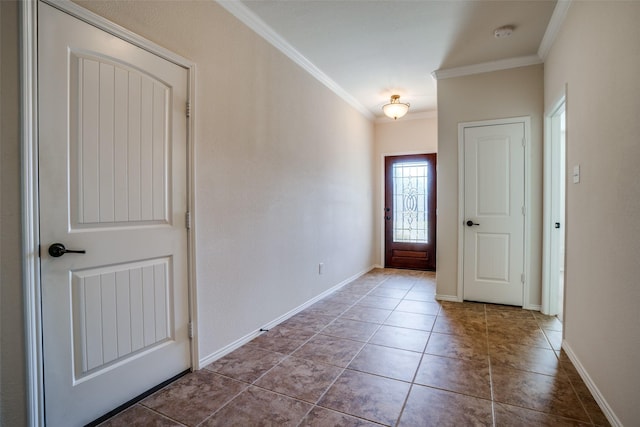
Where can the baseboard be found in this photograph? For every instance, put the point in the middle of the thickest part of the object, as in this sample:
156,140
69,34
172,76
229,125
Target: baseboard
606,409
533,307
245,339
452,298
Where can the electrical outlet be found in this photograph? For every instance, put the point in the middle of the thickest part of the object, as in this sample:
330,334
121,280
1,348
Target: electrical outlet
321,268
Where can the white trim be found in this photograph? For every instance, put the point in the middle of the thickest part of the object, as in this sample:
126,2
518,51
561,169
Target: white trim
553,28
253,21
591,385
191,232
114,29
245,339
528,224
31,212
30,208
532,307
486,67
547,306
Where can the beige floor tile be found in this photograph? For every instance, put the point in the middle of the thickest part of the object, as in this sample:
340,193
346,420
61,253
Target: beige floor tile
299,378
258,407
387,362
194,397
139,416
321,417
543,393
470,377
431,407
367,396
402,338
331,350
247,363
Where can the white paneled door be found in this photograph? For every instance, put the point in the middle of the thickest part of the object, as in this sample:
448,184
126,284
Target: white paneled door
494,190
112,164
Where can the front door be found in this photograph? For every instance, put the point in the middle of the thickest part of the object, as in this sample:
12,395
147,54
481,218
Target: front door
494,213
410,212
112,167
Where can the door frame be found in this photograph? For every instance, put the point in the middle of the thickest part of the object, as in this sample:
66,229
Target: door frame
526,120
549,287
381,204
432,201
30,195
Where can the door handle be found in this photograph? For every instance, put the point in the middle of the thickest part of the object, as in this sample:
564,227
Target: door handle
57,250
471,223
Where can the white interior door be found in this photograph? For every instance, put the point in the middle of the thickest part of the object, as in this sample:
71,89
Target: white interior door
494,190
112,167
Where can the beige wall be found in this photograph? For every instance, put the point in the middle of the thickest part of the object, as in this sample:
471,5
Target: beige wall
283,170
412,134
597,55
12,356
501,94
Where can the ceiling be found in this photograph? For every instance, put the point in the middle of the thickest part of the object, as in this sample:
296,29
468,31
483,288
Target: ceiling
367,50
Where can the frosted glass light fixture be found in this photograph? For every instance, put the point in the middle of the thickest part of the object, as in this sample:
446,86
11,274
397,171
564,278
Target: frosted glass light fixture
395,109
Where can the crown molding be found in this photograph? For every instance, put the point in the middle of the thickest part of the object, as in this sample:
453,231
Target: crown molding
251,20
486,67
555,23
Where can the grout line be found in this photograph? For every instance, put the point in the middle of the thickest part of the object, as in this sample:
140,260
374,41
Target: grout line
493,401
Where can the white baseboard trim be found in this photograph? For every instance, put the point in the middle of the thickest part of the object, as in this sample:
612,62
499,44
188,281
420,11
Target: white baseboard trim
533,307
245,339
606,409
452,298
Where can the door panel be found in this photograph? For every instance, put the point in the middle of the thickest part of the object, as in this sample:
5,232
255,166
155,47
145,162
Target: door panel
112,166
410,211
493,206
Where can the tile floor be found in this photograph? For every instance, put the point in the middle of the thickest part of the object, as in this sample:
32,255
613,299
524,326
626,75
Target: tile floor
382,351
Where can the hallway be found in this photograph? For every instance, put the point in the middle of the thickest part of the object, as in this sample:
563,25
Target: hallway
383,351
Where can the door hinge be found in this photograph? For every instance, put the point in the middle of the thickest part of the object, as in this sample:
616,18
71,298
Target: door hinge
524,211
190,329
188,109
524,142
522,278
187,220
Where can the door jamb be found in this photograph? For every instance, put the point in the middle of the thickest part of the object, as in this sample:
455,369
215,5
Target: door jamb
29,187
526,120
546,290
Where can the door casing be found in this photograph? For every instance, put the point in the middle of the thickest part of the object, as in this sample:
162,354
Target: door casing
527,200
432,201
30,195
549,285
381,203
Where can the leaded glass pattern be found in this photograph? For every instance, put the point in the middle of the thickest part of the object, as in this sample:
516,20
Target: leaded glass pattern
410,202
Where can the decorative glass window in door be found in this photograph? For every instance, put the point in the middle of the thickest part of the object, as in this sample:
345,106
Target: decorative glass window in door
410,202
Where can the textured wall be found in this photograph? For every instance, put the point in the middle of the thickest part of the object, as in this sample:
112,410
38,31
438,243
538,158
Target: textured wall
12,356
284,176
487,96
408,135
597,56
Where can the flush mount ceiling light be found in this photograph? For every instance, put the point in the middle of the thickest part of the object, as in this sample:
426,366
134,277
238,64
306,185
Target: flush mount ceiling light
395,109
504,31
